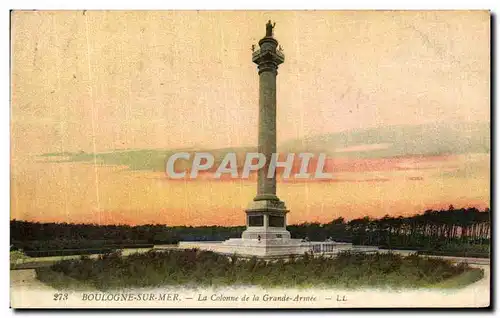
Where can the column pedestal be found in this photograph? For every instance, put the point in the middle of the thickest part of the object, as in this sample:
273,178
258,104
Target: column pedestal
266,219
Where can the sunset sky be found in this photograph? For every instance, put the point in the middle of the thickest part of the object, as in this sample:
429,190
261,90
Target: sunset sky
100,81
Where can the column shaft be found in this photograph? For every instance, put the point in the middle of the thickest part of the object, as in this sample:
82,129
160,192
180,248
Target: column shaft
267,129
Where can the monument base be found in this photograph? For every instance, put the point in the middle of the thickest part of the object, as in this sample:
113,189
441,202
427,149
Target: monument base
266,235
266,219
253,247
276,248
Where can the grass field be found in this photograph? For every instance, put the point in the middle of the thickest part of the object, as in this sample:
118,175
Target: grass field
202,268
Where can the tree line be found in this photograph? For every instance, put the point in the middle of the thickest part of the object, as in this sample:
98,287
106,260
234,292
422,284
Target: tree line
433,229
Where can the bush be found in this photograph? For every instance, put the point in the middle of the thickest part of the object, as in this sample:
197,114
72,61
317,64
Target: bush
195,267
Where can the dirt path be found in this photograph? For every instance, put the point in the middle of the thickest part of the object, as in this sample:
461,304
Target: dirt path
23,280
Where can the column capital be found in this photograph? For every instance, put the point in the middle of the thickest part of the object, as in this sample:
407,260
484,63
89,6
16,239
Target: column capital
269,56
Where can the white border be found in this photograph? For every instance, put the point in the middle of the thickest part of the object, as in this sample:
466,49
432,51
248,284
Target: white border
186,4
255,5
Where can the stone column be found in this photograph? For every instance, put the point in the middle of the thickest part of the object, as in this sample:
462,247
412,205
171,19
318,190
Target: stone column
266,204
267,130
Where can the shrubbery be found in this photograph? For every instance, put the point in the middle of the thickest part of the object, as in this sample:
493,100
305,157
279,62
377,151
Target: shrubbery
195,268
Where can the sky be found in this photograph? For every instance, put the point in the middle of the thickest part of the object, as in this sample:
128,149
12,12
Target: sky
96,81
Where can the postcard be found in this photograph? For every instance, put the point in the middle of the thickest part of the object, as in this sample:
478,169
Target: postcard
250,159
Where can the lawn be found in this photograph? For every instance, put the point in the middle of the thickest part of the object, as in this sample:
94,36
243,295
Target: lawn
202,268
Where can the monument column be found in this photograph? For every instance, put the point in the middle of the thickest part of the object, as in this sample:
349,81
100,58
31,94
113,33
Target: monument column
266,208
267,128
